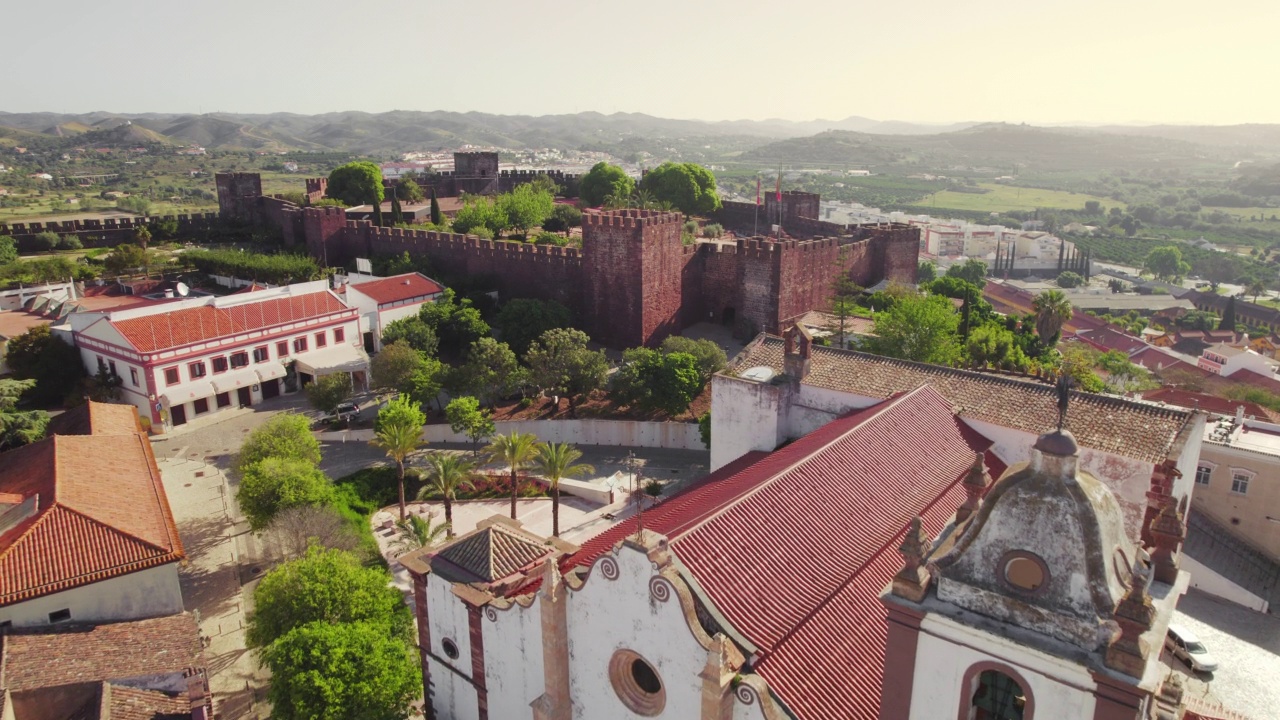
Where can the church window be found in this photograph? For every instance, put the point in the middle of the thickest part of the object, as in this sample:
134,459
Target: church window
1202,474
637,683
1024,571
450,648
998,697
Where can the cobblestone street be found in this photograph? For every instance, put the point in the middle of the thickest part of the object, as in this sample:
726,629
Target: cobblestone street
1247,647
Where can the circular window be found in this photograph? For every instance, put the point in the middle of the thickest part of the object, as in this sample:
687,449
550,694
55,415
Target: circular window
450,648
637,683
1024,571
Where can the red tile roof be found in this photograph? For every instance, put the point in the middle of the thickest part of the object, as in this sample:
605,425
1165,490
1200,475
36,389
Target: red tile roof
206,322
1109,338
1209,403
398,288
794,546
95,418
1258,380
100,512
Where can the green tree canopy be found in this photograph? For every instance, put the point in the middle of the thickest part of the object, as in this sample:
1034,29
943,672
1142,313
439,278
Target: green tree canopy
709,357
8,249
393,367
490,372
993,344
19,427
1166,263
446,474
456,322
1052,310
972,271
480,212
554,463
687,186
517,451
563,217
356,183
56,367
652,381
329,391
1070,279
342,671
525,206
926,271
920,328
398,431
287,435
561,363
409,191
276,483
521,321
466,417
412,331
603,181
329,586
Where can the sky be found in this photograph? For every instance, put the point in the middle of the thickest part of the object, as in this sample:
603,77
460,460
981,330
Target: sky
1038,61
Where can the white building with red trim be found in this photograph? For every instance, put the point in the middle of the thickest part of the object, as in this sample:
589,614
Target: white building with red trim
186,360
382,301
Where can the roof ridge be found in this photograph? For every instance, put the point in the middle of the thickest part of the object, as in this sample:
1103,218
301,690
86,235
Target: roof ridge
113,528
880,408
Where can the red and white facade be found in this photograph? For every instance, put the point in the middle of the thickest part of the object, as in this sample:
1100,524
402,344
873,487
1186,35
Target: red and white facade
382,301
185,360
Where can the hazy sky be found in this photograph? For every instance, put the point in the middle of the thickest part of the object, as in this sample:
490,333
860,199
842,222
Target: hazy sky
1037,61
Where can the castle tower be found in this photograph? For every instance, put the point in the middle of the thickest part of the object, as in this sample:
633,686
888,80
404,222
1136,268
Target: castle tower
633,263
238,195
1034,605
476,172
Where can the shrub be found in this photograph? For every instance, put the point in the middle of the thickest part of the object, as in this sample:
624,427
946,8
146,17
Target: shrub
714,230
46,240
69,242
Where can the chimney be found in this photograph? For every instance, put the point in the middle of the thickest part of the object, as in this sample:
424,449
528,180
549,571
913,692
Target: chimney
1239,415
795,363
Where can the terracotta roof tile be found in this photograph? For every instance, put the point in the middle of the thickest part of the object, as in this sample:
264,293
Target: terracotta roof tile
492,553
95,418
1100,422
398,287
100,512
195,324
72,654
130,703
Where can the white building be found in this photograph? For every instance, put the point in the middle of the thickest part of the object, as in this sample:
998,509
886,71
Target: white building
184,360
1226,360
86,534
382,301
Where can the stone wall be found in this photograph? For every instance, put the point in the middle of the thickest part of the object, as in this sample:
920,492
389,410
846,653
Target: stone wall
107,232
238,195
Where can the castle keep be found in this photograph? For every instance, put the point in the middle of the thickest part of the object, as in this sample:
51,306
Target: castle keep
633,282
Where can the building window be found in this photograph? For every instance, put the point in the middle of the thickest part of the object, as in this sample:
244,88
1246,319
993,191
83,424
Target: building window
195,370
1024,571
321,340
282,349
300,344
58,616
102,364
240,359
1202,474
637,683
133,376
222,399
171,376
339,335
1240,484
450,648
261,354
112,364
998,697
219,364
201,406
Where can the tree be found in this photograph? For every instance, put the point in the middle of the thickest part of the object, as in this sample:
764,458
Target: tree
994,345
276,483
409,191
1070,279
521,321
356,183
926,271
561,363
1092,207
1166,263
142,236
39,355
844,296
563,216
329,391
919,328
525,207
19,427
689,187
708,356
437,219
972,271
480,212
416,532
704,428
555,462
1256,288
325,671
1229,315
602,181
397,214
127,257
651,381
398,431
329,586
395,365
1052,310
412,331
457,323
293,530
284,436
425,383
517,451
8,250
465,416
446,474
490,370
47,240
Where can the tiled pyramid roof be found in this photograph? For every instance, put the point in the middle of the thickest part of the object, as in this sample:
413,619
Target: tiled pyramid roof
490,553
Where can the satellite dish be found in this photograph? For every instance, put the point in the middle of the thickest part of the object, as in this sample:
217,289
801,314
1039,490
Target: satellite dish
182,289
760,373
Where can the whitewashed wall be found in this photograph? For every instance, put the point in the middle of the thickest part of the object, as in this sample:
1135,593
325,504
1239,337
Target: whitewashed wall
143,594
1211,582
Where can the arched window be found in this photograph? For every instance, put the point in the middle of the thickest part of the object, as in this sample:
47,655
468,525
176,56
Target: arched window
993,692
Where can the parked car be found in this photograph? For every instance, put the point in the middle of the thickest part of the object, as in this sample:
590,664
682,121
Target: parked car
346,412
1187,647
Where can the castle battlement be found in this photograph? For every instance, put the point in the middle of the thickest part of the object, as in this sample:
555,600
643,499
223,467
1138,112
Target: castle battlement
631,218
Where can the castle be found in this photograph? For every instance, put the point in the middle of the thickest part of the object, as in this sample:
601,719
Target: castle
634,281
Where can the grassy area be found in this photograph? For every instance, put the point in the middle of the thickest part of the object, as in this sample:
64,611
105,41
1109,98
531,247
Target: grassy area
53,207
1004,198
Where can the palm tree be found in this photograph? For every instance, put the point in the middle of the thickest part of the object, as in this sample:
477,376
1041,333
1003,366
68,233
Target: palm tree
446,475
556,462
516,451
398,431
1052,309
417,532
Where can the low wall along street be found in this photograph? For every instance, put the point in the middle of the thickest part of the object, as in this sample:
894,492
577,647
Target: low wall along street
622,433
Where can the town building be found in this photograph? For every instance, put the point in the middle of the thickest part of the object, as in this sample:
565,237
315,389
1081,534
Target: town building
86,533
1226,360
753,593
185,360
381,301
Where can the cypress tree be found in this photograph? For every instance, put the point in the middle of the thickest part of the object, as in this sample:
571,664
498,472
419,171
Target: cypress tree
1229,315
435,208
377,213
397,215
